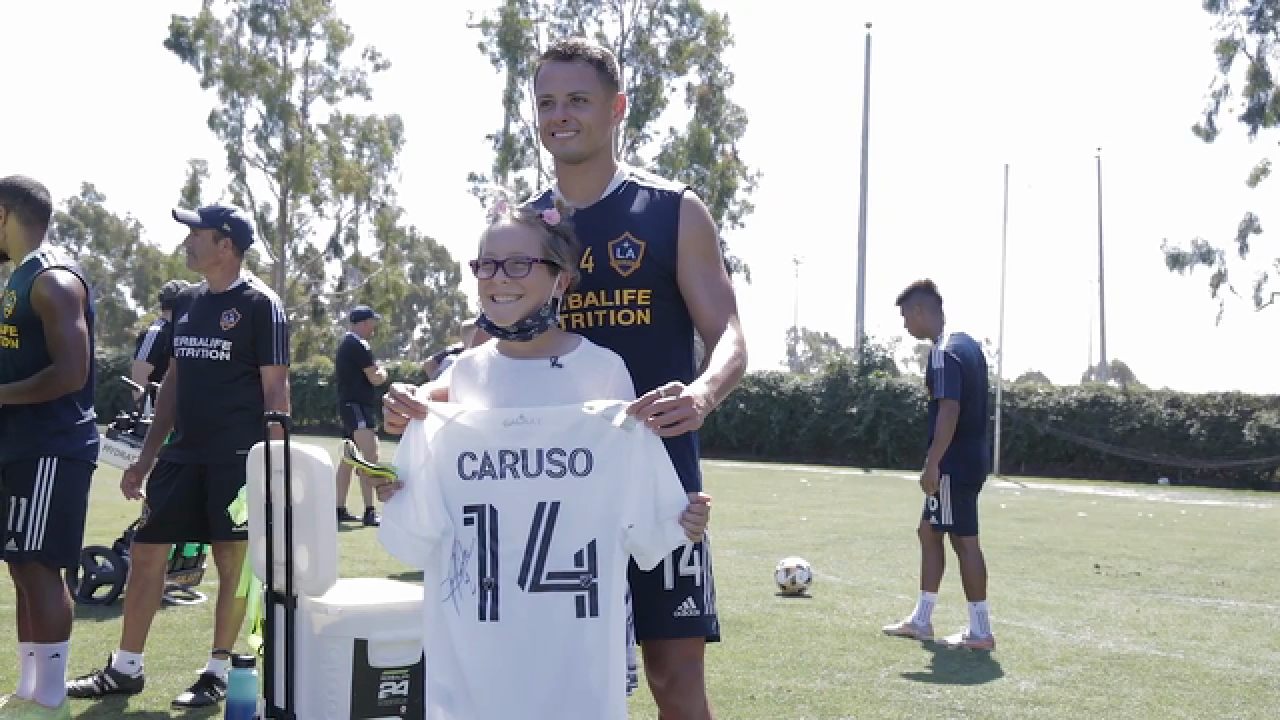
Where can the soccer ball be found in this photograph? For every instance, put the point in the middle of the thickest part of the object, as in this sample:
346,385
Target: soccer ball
794,575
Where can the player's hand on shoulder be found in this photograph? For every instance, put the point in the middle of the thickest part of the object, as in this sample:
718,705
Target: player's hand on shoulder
401,404
696,515
673,409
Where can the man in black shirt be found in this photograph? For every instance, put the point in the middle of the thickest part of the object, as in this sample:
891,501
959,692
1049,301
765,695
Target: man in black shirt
358,373
230,364
155,344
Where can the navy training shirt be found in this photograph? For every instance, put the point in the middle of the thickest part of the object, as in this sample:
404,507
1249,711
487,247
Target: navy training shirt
958,371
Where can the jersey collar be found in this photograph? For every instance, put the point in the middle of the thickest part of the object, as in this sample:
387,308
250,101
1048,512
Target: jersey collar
34,251
618,178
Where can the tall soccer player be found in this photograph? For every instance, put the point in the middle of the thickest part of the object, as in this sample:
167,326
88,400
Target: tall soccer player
230,364
955,469
652,275
48,441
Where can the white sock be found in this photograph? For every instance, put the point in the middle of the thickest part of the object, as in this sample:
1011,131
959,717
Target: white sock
26,670
218,666
51,673
979,623
126,662
923,614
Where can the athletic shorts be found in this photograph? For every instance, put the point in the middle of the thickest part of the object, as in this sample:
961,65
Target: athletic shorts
187,502
676,599
44,503
954,508
357,416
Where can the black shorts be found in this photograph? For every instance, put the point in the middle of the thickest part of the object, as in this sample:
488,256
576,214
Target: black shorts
187,502
44,503
357,416
676,599
954,509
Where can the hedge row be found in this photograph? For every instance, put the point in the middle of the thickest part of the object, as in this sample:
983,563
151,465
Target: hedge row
1090,431
840,418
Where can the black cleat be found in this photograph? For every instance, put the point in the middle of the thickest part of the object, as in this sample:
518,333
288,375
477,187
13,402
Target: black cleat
107,681
208,690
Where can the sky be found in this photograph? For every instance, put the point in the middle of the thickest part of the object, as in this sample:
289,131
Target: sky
958,90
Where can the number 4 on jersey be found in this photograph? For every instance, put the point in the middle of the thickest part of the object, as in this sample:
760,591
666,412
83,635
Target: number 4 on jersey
581,580
588,262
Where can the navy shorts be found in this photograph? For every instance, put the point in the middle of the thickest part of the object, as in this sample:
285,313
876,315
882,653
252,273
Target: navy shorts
45,502
357,416
676,599
187,502
954,509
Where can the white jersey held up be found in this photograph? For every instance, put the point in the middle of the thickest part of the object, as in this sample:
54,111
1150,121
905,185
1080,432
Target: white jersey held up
523,521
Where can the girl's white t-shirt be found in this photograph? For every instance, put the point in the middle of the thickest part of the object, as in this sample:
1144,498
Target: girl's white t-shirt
482,377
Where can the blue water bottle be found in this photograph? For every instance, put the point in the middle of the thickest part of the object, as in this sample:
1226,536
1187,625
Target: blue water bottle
242,688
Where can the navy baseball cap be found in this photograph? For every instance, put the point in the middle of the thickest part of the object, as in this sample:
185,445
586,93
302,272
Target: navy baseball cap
360,313
227,219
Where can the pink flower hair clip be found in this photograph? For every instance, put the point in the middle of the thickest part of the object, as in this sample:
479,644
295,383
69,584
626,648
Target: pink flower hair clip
498,210
551,216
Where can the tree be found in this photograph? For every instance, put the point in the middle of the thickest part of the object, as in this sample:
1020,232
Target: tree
1249,35
661,45
808,351
297,161
316,176
1033,377
124,271
1117,371
919,358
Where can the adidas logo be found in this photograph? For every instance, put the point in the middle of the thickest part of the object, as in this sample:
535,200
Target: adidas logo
11,546
688,608
183,318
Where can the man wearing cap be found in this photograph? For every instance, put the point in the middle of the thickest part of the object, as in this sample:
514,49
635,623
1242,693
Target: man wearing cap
155,344
230,363
358,373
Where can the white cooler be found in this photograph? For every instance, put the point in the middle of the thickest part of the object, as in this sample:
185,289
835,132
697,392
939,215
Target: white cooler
358,641
359,652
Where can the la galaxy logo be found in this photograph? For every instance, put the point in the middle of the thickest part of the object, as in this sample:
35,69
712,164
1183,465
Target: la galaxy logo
10,302
625,254
229,319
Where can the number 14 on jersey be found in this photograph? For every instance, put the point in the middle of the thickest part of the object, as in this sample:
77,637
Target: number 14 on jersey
581,581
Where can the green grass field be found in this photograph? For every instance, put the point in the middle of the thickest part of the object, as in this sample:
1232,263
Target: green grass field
1108,601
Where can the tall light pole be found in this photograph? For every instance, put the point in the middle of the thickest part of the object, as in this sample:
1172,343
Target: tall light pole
795,317
1103,370
860,306
1004,244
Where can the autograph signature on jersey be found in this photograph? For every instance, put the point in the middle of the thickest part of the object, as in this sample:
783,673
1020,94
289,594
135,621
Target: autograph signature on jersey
459,574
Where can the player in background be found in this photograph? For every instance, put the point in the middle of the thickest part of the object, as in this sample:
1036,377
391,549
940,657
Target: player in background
652,275
48,441
471,336
230,364
358,375
155,344
955,469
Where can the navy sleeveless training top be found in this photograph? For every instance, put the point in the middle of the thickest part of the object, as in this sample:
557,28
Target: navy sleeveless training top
65,427
627,298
